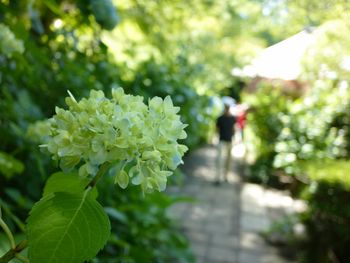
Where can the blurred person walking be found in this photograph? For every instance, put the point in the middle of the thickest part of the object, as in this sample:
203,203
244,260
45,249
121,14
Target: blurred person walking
225,125
241,116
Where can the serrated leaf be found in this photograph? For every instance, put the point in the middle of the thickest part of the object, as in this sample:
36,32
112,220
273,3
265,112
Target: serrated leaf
66,227
71,183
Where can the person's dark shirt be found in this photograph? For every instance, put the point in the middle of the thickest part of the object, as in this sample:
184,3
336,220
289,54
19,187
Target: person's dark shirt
225,125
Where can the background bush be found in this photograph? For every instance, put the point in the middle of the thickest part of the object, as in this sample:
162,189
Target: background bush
311,129
328,217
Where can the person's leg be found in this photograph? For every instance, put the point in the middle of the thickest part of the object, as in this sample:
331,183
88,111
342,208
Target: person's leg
228,159
240,135
219,161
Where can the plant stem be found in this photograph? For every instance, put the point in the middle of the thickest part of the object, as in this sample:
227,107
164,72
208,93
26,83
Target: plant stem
22,258
8,256
14,252
8,233
103,169
18,222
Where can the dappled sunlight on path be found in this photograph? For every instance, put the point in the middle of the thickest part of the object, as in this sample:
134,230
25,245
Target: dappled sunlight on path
224,222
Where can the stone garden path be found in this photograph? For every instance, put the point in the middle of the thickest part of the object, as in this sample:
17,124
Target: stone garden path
224,222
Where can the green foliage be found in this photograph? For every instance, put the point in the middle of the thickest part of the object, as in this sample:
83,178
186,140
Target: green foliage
68,182
315,125
62,46
328,210
9,165
105,13
204,40
101,132
315,12
268,105
141,229
327,57
314,129
328,171
178,48
9,43
309,131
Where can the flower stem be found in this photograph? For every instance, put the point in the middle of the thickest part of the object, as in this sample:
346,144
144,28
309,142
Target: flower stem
22,258
103,169
8,233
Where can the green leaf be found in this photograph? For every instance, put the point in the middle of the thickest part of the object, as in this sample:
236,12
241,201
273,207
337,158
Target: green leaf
71,183
66,227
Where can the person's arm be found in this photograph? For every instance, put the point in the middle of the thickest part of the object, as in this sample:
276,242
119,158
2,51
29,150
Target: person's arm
217,125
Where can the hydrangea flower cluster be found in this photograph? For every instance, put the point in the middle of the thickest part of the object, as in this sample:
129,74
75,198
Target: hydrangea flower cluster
123,130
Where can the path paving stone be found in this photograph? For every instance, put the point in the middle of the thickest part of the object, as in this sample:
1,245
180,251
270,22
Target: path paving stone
219,254
223,223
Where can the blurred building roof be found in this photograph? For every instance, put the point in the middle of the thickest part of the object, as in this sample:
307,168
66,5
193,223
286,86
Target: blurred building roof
280,61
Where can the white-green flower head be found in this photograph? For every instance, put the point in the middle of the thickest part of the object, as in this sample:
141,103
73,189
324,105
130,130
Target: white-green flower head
122,130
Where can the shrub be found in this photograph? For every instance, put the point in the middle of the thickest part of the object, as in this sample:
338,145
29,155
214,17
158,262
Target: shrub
268,105
328,216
